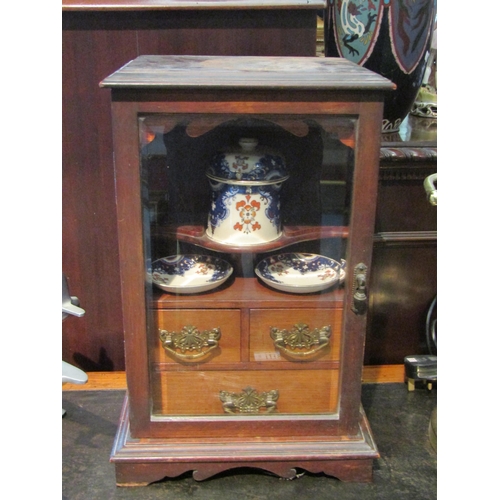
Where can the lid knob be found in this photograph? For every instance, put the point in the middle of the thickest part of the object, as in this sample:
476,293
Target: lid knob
248,144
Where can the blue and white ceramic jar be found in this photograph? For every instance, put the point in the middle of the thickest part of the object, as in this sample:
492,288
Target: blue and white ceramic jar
245,195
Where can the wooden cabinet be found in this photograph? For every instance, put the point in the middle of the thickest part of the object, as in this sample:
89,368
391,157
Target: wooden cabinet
245,373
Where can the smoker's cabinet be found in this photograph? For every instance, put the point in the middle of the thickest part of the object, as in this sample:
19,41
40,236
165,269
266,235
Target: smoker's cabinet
259,363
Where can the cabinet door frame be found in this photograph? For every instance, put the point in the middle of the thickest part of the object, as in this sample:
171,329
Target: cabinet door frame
127,106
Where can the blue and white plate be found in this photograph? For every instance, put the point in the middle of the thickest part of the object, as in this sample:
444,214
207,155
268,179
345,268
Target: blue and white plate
300,272
189,273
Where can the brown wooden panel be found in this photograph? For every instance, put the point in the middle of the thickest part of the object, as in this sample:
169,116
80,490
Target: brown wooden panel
404,272
116,5
228,321
252,293
262,346
280,32
197,393
403,285
402,203
89,243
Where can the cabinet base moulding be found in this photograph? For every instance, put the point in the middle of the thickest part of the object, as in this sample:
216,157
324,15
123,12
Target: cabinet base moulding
139,462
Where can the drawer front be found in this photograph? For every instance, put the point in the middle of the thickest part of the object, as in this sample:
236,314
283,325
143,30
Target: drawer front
299,335
252,392
190,336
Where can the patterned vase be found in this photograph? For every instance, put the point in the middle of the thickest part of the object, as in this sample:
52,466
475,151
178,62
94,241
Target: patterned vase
391,38
245,187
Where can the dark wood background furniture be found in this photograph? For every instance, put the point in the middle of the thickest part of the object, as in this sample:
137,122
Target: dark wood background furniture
98,38
404,279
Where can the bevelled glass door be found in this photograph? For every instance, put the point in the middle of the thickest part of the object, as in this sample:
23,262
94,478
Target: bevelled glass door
246,221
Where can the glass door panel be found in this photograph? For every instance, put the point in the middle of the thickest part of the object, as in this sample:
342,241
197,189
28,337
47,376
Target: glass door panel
246,220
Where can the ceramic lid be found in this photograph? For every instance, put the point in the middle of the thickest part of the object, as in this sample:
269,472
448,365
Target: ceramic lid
248,164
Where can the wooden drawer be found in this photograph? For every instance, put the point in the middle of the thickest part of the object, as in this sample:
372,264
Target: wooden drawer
199,392
299,335
190,336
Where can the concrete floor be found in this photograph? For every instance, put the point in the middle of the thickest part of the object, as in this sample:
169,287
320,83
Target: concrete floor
406,470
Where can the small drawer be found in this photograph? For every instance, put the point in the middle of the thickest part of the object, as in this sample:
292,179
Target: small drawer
190,336
299,335
244,393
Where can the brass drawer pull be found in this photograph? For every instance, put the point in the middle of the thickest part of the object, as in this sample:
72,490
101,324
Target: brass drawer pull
300,341
249,401
190,343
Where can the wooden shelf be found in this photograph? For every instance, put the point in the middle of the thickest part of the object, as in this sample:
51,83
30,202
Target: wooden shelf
247,292
116,381
197,235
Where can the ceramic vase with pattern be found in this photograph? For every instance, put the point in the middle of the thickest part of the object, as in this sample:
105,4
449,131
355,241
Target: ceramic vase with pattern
245,188
391,38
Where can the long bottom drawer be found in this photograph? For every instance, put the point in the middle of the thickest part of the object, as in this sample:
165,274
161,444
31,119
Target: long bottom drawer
245,393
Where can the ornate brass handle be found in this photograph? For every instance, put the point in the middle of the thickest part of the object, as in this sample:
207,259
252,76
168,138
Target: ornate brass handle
300,337
190,343
249,401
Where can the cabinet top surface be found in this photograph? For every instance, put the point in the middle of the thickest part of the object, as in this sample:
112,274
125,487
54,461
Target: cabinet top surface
245,72
190,4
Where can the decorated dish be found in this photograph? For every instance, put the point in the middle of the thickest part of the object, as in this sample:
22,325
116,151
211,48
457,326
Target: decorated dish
300,272
190,273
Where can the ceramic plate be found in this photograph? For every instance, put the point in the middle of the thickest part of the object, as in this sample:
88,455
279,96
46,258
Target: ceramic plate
300,272
190,273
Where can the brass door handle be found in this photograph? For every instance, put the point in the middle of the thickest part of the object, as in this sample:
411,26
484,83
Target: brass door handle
190,343
360,295
300,341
